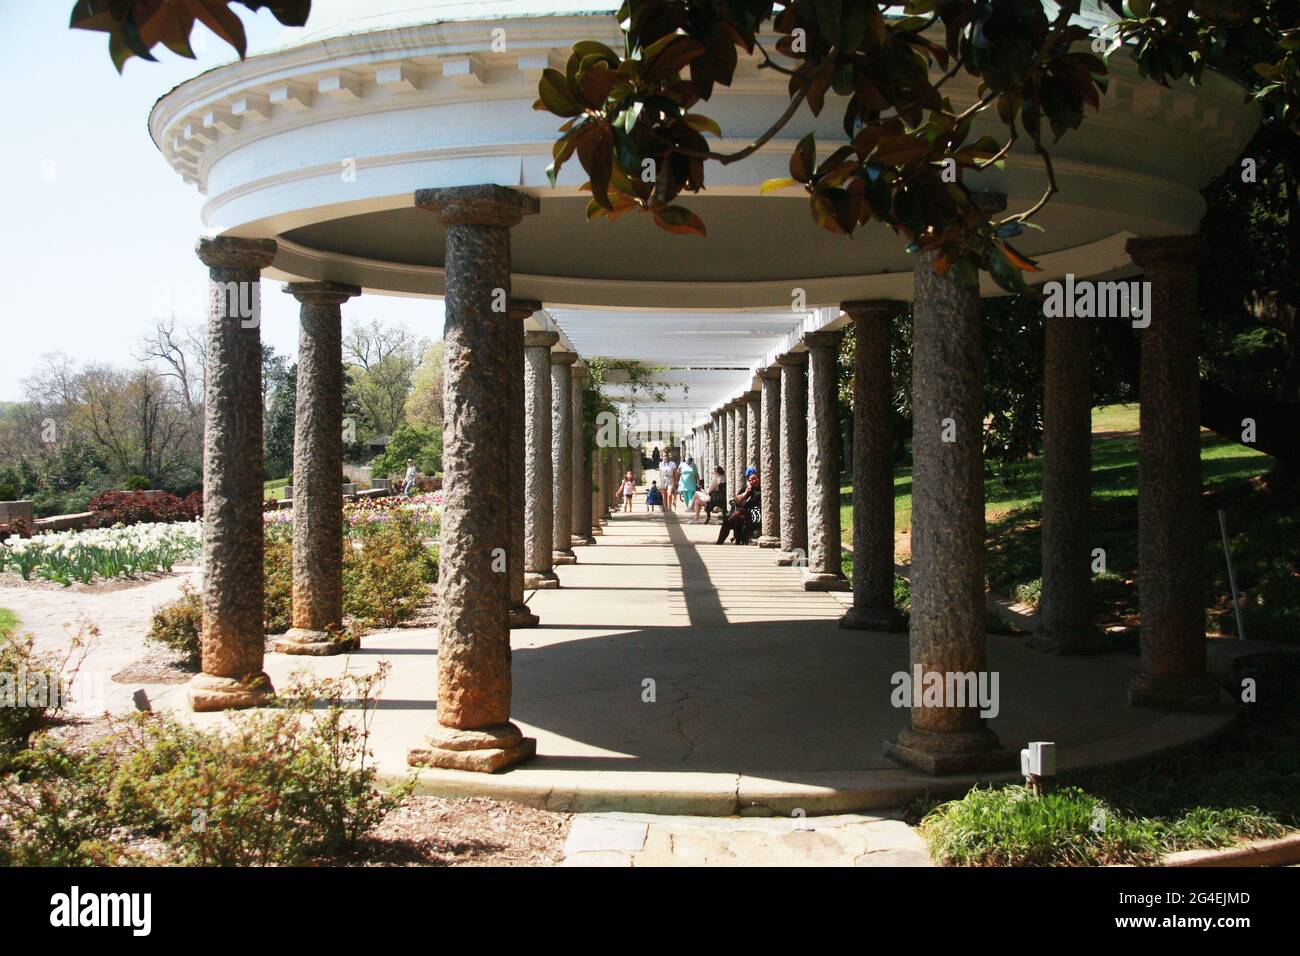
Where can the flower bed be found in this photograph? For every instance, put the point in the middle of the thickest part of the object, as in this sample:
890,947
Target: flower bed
67,556
358,515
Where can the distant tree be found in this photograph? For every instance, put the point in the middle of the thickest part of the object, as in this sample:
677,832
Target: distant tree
381,360
278,426
424,403
421,444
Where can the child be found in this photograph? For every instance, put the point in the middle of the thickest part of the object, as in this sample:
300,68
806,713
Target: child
653,497
629,489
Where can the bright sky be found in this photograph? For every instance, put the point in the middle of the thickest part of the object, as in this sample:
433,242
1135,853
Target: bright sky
98,230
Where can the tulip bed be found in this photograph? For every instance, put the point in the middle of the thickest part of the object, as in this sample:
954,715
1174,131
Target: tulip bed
67,556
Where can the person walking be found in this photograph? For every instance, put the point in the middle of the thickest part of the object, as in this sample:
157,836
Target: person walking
628,491
668,480
654,457
408,483
687,481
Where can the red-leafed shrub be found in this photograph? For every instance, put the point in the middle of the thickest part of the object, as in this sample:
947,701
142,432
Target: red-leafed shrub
136,507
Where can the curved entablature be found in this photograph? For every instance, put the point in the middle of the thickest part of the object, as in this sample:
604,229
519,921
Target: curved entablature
321,145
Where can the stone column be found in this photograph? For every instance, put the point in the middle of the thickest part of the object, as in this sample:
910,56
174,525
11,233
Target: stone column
581,489
317,473
233,590
1064,613
539,468
474,731
724,445
753,432
794,459
562,456
824,571
947,622
739,445
516,562
598,467
769,459
873,472
1172,673
715,442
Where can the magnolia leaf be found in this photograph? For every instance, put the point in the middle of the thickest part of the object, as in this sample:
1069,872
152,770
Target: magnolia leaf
679,220
772,185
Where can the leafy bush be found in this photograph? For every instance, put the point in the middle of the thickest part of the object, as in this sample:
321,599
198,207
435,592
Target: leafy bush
277,612
1030,593
388,577
178,625
284,786
135,507
34,687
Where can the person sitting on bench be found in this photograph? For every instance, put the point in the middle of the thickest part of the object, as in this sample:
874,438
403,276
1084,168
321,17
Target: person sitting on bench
747,514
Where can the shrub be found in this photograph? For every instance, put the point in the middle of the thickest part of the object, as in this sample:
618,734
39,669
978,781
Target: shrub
136,483
1030,593
278,573
388,577
409,440
284,786
136,507
34,687
178,625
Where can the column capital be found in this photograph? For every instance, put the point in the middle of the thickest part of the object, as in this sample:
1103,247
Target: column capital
563,358
1149,251
867,309
771,374
521,309
322,293
579,372
753,395
828,339
485,204
792,359
234,252
540,339
989,203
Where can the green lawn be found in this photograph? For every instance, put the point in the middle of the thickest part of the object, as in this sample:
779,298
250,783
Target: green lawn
276,489
1114,471
1263,531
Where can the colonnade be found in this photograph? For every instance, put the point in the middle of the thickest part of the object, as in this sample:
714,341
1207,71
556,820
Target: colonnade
510,391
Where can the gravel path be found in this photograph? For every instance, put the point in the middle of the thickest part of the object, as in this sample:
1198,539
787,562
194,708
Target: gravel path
120,609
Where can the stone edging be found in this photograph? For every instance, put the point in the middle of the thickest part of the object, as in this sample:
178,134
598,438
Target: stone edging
1282,851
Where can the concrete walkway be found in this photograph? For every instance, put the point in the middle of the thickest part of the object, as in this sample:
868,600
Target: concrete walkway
675,676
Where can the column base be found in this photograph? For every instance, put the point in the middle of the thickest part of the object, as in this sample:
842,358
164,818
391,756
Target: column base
541,581
208,693
941,753
819,581
579,542
792,559
597,529
1081,640
485,750
887,620
563,557
520,616
1187,694
768,541
302,640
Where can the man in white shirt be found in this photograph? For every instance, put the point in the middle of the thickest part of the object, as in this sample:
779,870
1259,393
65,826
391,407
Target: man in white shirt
408,482
668,480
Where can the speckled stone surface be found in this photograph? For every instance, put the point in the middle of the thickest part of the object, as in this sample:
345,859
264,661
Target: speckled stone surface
539,469
770,457
716,452
753,432
1064,615
724,444
581,487
824,572
233,589
873,468
1170,544
520,615
562,457
794,456
474,679
317,467
947,621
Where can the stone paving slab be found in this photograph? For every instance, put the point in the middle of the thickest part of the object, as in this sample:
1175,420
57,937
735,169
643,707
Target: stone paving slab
676,676
653,840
